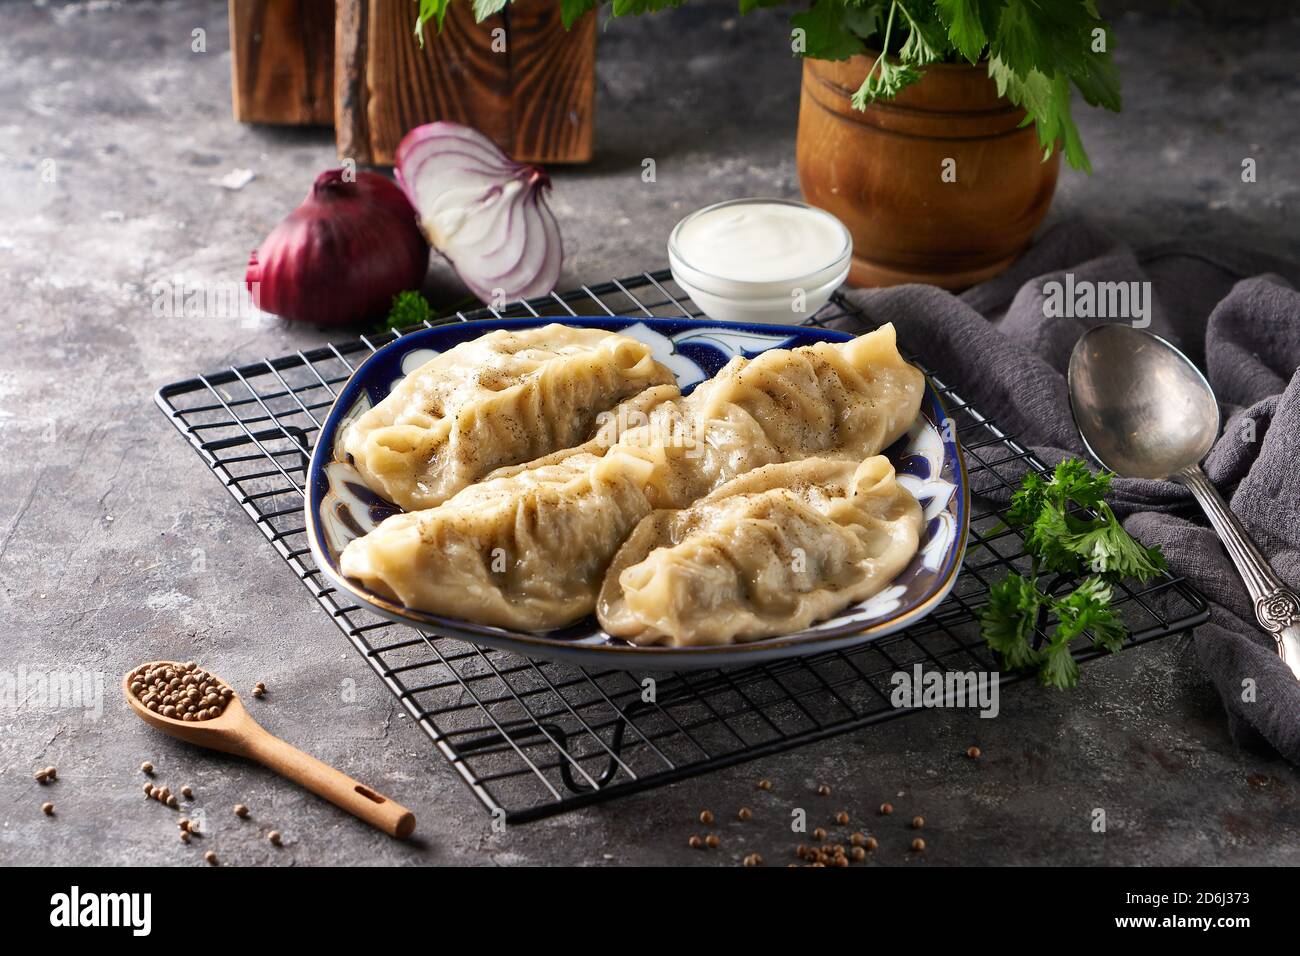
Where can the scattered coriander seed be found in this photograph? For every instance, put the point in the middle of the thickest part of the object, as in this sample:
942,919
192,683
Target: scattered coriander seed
148,790
819,834
164,793
706,817
259,689
695,843
918,844
823,791
886,809
185,836
842,817
187,792
183,823
51,773
973,753
173,802
918,822
765,784
275,838
858,854
871,843
818,863
210,857
745,813
712,841
241,811
47,809
840,860
753,860
146,767
801,851
39,776
857,839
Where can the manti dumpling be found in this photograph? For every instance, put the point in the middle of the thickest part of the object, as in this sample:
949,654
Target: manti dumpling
849,400
768,553
507,397
527,547
526,550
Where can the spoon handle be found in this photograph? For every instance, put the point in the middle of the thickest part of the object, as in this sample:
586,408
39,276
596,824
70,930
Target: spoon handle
334,785
1277,607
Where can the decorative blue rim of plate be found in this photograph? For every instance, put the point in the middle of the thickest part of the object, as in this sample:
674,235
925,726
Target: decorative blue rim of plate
928,460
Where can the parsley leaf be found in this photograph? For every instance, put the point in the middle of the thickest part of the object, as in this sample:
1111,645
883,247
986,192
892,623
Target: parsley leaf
826,36
1069,529
409,308
435,10
1087,608
488,8
969,24
625,7
1106,548
1008,620
1058,669
885,79
571,11
927,40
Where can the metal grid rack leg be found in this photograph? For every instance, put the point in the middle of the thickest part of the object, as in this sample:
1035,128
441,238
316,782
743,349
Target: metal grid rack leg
533,738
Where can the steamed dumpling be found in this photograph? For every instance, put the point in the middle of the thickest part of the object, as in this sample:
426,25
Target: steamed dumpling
558,522
525,551
769,553
849,400
507,397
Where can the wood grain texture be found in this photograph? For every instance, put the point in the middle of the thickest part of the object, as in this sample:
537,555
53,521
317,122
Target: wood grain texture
553,83
282,61
880,171
520,78
351,137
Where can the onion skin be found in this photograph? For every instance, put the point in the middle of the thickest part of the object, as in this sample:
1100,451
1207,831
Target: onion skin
485,213
341,256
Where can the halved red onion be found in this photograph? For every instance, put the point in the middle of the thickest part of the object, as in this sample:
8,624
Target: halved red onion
482,210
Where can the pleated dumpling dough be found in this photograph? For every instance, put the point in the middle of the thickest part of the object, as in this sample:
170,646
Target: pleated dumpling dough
769,553
527,550
507,397
849,399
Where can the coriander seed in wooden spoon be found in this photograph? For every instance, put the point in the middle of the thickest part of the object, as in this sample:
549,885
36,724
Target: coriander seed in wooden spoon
189,703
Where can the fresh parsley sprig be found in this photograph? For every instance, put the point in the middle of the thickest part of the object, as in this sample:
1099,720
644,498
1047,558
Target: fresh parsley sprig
409,308
1062,537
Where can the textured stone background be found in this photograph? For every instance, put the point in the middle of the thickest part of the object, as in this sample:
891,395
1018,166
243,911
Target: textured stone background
106,504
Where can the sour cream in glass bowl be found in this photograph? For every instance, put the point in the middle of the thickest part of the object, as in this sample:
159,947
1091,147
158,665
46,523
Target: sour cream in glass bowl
760,260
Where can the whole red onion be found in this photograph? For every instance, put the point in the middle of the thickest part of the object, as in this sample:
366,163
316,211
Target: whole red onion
340,257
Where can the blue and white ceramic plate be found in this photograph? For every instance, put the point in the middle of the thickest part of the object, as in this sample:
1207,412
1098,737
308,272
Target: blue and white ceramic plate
928,461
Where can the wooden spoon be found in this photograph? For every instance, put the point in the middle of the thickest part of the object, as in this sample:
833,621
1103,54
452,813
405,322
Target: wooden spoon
234,731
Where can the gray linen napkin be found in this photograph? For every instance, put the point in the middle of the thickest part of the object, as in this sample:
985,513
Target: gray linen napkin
1237,315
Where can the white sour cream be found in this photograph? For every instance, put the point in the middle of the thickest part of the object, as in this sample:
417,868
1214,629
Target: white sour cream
760,241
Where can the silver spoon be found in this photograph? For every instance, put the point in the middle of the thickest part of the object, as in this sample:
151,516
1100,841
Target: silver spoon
1145,411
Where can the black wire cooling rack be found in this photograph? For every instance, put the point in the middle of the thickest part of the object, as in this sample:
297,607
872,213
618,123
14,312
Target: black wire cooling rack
534,738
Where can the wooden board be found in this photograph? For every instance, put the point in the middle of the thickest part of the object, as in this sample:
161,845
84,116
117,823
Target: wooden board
282,61
519,77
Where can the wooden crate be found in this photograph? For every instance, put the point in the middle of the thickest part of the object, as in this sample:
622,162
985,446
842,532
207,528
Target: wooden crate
535,97
282,61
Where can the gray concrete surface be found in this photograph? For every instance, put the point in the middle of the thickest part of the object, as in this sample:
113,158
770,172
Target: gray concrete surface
106,506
